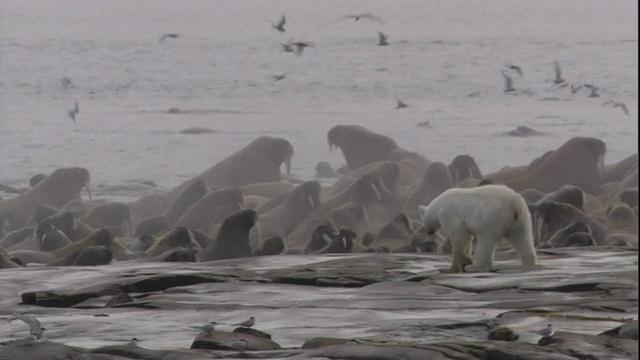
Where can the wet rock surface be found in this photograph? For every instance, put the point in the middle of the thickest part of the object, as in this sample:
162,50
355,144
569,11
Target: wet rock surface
393,306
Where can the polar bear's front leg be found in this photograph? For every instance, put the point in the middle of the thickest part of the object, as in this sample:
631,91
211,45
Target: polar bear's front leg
460,252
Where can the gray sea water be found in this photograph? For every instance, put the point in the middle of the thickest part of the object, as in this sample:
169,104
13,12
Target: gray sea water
444,60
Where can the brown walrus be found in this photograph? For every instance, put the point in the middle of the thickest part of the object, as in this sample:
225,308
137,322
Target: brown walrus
62,186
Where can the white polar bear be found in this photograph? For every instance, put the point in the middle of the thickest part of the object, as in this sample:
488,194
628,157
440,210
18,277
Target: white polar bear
489,213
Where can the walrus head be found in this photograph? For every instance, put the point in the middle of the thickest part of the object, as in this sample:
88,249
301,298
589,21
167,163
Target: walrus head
307,195
282,152
67,181
360,146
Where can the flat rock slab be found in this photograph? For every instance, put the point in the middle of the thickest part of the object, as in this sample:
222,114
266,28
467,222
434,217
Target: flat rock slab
378,298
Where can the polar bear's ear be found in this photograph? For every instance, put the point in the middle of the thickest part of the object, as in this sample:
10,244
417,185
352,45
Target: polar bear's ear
422,210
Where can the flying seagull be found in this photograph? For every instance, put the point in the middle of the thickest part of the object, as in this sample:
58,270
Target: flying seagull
280,26
35,328
66,82
299,46
401,105
515,68
165,36
575,89
594,90
74,112
278,77
288,47
247,323
508,83
546,331
364,16
616,104
558,80
382,39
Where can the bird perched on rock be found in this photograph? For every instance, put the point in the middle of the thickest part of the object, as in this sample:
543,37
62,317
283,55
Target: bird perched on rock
206,328
546,331
238,344
247,323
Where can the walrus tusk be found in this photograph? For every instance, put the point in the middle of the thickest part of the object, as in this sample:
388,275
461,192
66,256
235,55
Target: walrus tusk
326,238
88,187
43,237
287,164
375,190
344,242
311,202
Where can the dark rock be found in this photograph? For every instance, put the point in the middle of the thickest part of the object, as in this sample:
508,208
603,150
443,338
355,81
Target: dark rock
218,340
254,332
504,334
319,342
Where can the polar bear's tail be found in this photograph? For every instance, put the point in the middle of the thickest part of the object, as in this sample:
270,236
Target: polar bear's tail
521,233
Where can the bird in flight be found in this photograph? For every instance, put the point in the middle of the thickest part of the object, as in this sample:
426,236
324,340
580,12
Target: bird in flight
508,83
558,80
382,39
280,26
165,36
288,47
594,90
35,328
278,77
364,16
72,113
616,104
575,89
299,47
515,68
66,82
400,104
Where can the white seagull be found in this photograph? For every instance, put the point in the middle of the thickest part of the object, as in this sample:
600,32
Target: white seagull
35,328
247,323
546,331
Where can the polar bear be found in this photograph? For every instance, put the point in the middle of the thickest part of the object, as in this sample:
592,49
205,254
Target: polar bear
489,213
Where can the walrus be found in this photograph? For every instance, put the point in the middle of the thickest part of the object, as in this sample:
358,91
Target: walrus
549,217
114,213
33,256
179,237
268,190
254,201
622,219
15,237
464,167
41,212
629,197
271,246
185,199
324,170
101,237
559,238
436,179
394,175
178,255
320,238
257,162
577,162
50,238
342,243
93,256
616,171
361,147
532,195
211,209
65,222
62,186
141,244
581,239
281,220
76,207
36,179
151,226
232,240
395,233
271,204
5,260
566,194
